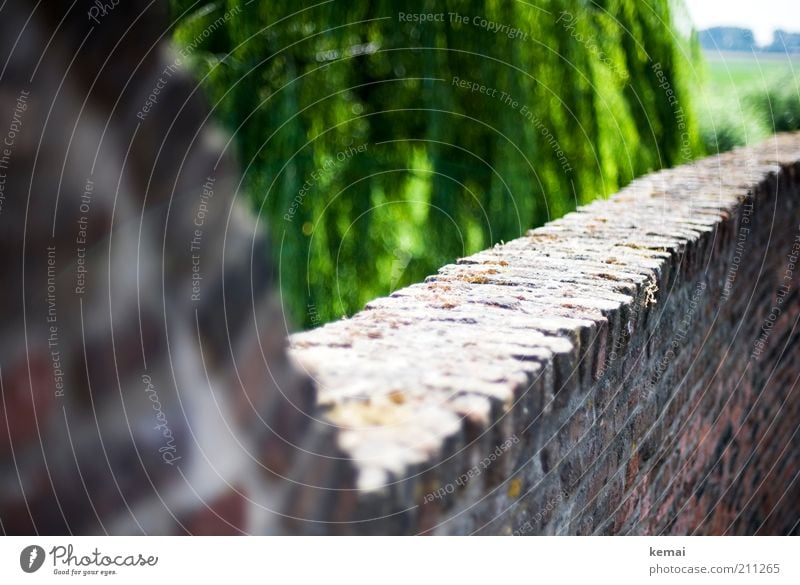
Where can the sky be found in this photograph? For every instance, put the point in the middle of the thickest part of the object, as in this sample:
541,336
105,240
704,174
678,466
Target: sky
761,16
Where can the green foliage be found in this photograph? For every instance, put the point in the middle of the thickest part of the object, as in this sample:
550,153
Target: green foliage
778,106
746,97
727,124
373,166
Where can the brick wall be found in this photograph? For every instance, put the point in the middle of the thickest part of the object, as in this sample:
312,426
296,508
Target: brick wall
630,368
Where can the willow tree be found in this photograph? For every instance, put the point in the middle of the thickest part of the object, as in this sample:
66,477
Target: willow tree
380,139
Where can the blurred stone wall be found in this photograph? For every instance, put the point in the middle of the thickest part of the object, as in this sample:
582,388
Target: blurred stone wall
145,383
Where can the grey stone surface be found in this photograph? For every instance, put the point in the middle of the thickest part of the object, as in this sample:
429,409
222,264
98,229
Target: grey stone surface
557,339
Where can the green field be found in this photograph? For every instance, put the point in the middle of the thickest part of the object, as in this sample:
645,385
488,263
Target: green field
744,97
744,72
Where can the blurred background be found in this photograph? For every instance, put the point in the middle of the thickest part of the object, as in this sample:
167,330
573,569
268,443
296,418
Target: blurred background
364,145
373,166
